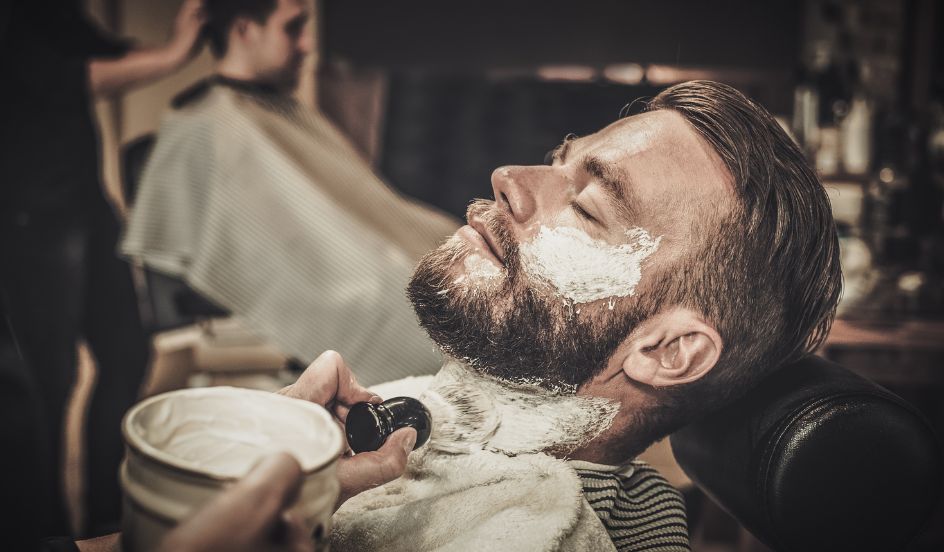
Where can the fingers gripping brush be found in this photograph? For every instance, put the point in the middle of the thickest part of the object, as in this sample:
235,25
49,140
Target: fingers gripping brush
452,416
460,423
368,425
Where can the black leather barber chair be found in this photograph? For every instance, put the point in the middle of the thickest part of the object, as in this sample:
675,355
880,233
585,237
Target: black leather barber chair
818,458
172,304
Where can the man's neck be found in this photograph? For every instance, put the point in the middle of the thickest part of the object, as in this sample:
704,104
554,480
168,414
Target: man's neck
472,411
234,69
606,450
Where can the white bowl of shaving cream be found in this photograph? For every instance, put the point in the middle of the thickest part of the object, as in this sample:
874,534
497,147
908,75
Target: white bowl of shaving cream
185,447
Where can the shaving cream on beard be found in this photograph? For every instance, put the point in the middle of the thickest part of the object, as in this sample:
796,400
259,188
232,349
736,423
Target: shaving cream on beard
583,269
473,412
479,267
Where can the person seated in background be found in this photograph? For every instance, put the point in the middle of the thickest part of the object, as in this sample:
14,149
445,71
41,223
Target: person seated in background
651,273
263,207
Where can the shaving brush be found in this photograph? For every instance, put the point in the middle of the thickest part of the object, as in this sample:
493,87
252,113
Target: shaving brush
368,425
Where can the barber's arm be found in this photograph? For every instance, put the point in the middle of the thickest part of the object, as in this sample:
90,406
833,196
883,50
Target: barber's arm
137,67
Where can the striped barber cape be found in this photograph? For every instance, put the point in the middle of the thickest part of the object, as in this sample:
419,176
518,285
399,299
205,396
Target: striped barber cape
266,209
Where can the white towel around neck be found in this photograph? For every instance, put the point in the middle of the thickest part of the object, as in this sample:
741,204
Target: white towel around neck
481,500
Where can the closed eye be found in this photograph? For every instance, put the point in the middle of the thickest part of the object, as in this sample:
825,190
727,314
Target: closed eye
295,25
582,213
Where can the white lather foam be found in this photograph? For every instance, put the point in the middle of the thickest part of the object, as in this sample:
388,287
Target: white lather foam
478,267
583,269
475,412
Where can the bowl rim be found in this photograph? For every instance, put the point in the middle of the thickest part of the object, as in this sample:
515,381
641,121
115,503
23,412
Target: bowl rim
137,444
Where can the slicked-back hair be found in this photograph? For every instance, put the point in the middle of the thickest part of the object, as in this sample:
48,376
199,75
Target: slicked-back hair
222,13
767,272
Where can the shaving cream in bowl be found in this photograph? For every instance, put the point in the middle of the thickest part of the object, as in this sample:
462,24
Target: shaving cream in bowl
185,447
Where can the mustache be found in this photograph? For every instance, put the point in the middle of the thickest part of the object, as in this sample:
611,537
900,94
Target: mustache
499,224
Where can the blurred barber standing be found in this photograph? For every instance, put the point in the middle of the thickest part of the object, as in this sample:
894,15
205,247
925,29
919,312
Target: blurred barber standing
60,278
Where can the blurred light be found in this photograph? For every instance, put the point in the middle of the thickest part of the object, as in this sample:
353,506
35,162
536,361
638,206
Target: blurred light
672,74
886,175
911,281
567,73
665,74
625,73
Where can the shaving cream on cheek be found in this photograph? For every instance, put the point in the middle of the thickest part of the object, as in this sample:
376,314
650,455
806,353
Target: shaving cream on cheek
583,269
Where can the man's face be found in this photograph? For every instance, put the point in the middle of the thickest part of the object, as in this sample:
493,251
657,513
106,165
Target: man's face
278,46
545,282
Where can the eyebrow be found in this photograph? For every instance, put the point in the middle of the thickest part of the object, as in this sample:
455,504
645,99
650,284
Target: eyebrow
616,185
560,152
297,21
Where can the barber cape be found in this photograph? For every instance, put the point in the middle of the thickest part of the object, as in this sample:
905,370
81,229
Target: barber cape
478,500
265,208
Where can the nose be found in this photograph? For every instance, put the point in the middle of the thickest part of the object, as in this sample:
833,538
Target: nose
306,42
514,193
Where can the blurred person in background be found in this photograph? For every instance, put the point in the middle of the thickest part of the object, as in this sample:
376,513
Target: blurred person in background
264,208
59,275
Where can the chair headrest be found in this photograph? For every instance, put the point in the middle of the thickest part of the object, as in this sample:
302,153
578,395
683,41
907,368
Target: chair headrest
818,458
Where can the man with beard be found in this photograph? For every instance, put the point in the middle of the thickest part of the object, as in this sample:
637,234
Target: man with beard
651,273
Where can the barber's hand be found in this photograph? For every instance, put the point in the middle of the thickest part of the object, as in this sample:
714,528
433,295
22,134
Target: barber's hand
249,515
329,382
184,42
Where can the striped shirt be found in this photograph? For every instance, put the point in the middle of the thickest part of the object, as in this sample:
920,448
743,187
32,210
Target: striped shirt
639,508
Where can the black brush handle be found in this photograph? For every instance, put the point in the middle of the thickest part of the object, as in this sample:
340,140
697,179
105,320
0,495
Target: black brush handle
368,425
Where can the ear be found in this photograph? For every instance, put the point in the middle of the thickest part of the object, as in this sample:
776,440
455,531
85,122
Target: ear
674,347
239,29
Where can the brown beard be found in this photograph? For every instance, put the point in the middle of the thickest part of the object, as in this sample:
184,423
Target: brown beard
515,330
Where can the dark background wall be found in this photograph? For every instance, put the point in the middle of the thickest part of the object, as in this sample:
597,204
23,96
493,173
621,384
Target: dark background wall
491,33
